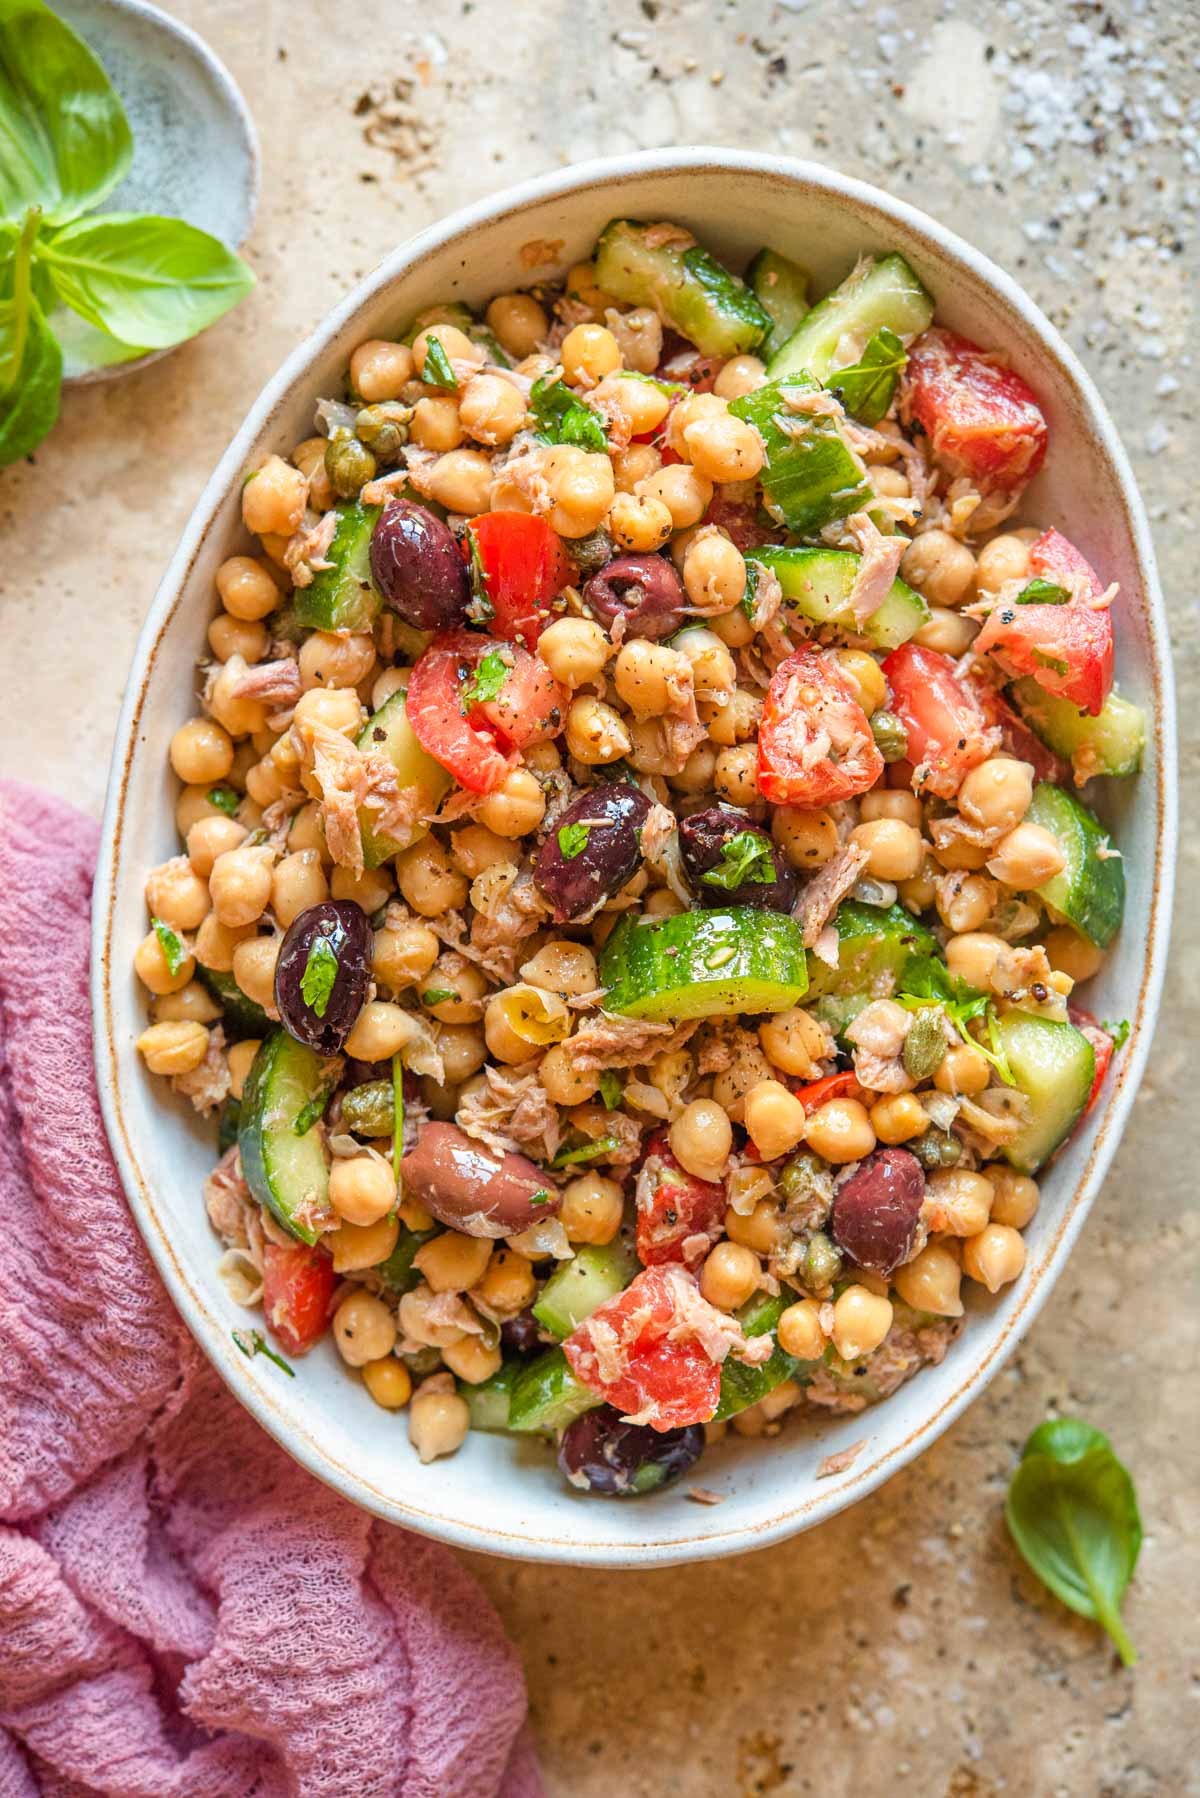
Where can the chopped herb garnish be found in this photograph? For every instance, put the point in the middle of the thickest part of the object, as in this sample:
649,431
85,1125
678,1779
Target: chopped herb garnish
253,1342
480,609
745,859
308,1114
561,418
225,799
397,1117
589,1151
612,1089
437,371
1043,593
573,839
1055,664
749,598
437,995
175,950
1119,1031
487,681
544,1197
927,981
319,976
866,388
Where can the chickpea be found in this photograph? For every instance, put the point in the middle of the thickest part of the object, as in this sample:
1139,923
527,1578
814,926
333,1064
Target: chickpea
898,1117
403,953
895,851
592,1209
639,524
389,1382
358,1246
589,352
574,649
740,375
890,802
518,322
1027,857
714,673
735,776
327,660
176,894
581,488
808,839
799,1331
889,483
1016,1197
696,775
861,1320
647,675
965,901
201,752
595,733
748,1068
758,1230
774,1118
505,1042
919,893
468,985
438,1421
217,942
380,370
436,424
962,1070
701,1139
940,567
683,491
380,1031
461,481
973,957
723,448
730,1275
492,409
475,849
370,890
948,632
298,881
472,1360
931,1281
508,1283
994,1257
961,856
192,1004
959,1201
840,1130
210,837
581,286
361,1189
463,1051
240,884
564,1083
866,678
638,406
239,714
736,722
174,1047
152,969
1005,558
273,503
515,807
632,466
429,884
1070,953
363,1329
241,1060
795,1042
563,967
248,590
335,708
639,333
997,793
253,968
452,1262
228,636
264,783
714,573
192,805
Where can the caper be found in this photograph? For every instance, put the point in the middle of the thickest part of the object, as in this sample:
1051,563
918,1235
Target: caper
593,552
822,1263
422,1361
804,1176
936,1148
368,1109
891,738
384,429
925,1044
349,464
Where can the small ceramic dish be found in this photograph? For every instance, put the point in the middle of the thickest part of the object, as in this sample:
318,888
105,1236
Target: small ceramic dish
498,1494
195,149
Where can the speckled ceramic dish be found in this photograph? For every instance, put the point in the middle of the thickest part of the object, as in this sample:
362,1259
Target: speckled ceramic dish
498,1494
195,149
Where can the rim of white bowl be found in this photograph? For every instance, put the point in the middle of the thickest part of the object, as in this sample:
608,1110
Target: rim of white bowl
788,1518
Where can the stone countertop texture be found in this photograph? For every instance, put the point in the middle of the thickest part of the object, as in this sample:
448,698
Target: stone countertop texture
902,1647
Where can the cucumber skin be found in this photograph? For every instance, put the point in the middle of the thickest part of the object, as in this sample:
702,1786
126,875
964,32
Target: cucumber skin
812,479
689,288
889,293
1090,891
242,1016
1111,743
801,572
488,1403
743,1386
343,597
255,1139
781,288
873,943
546,1395
578,1287
641,963
397,1273
1037,1049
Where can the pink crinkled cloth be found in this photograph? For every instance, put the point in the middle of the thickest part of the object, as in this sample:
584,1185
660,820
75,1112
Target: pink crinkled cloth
183,1612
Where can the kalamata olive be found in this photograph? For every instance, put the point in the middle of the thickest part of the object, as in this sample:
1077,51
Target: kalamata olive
418,567
644,590
877,1211
463,1184
322,974
593,849
521,1335
723,841
601,1453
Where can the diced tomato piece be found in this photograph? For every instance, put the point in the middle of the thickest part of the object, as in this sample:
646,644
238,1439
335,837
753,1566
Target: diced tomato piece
1102,1044
948,733
831,1086
982,420
479,745
1055,558
639,1353
522,565
1016,738
298,1284
674,1208
810,700
742,521
1067,649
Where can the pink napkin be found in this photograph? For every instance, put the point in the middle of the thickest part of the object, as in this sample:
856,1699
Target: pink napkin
183,1612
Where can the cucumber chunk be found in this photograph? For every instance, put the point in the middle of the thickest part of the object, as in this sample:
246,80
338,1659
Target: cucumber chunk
704,964
1090,891
1111,743
488,1403
689,289
286,1173
816,583
1054,1065
391,734
397,1273
875,945
742,1386
811,475
547,1396
343,597
781,288
242,1017
880,291
577,1287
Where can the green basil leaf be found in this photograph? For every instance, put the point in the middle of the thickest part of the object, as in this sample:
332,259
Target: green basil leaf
573,839
225,799
1043,593
437,995
437,371
1072,1511
64,139
175,950
319,976
612,1089
561,418
487,681
745,857
29,407
590,1151
150,282
866,388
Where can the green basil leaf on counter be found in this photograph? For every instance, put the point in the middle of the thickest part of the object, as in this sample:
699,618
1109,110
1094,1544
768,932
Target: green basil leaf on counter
29,401
149,282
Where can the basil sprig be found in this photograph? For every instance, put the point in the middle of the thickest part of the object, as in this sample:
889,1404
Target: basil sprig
143,281
746,860
559,417
1072,1511
866,388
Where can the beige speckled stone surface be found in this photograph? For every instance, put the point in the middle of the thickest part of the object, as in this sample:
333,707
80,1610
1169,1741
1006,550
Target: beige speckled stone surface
901,1648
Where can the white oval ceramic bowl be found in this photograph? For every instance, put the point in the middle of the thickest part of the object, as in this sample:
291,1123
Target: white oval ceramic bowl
498,1494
